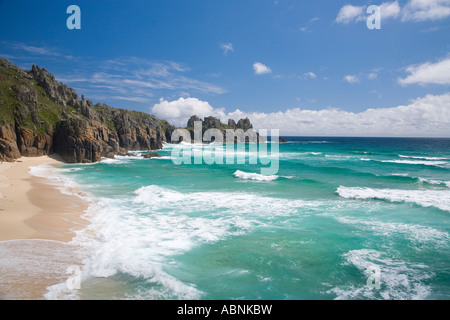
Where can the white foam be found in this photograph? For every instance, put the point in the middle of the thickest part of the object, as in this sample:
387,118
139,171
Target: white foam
432,181
425,198
111,161
399,279
125,241
422,162
28,260
55,176
254,176
423,158
135,157
232,203
400,174
141,234
413,232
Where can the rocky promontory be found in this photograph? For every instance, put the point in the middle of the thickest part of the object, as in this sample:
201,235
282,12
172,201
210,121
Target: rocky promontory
40,116
213,123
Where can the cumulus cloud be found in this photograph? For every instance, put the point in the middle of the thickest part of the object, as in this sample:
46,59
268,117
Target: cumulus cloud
427,73
390,10
260,68
423,117
227,47
351,78
421,10
310,75
179,111
350,13
413,10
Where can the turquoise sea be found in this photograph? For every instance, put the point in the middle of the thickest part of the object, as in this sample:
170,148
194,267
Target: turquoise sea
343,218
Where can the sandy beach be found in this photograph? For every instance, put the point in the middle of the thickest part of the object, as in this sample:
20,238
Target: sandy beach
37,223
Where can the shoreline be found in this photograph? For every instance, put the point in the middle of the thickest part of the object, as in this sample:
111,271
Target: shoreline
37,224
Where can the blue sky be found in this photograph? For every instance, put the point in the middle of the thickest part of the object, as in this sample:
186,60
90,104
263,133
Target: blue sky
307,62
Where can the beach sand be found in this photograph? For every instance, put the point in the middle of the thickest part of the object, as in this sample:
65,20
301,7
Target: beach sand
37,223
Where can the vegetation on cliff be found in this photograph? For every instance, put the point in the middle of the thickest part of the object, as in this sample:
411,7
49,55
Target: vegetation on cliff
39,115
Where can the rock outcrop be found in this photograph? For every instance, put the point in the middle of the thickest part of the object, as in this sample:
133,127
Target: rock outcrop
214,123
40,116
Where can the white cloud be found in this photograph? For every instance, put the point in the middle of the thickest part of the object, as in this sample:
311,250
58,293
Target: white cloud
310,75
372,75
135,79
389,10
413,10
179,111
37,50
421,10
427,73
423,117
350,13
227,47
135,99
351,78
307,28
261,68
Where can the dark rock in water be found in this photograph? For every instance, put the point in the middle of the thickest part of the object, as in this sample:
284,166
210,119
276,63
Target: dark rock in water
282,140
231,123
40,116
212,123
244,124
243,129
152,155
192,120
110,155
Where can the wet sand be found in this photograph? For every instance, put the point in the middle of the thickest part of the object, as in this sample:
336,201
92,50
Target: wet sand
37,223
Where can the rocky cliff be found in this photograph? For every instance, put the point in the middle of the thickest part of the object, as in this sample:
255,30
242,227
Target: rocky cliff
39,116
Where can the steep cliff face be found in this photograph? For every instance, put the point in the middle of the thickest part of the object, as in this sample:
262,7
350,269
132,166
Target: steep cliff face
39,116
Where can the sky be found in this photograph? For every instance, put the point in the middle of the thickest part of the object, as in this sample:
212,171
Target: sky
305,67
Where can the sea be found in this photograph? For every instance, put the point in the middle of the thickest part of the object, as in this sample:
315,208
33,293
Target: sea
341,218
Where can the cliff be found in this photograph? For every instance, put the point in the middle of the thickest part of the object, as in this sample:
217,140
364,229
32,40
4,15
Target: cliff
39,116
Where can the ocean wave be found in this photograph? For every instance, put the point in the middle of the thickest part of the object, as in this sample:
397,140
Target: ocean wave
254,176
55,176
162,158
310,153
413,232
399,280
112,161
252,205
141,235
123,241
433,181
425,198
134,157
421,180
423,158
419,162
